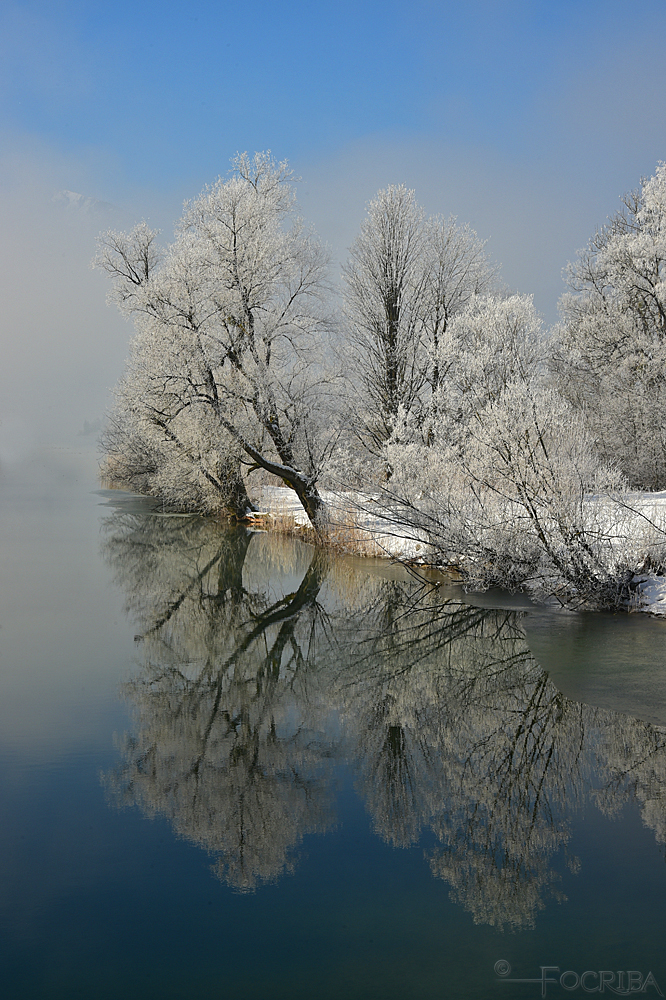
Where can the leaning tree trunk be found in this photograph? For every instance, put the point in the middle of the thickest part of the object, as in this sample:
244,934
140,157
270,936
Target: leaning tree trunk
304,488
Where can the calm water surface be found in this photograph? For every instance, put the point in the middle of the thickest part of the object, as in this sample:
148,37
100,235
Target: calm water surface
232,765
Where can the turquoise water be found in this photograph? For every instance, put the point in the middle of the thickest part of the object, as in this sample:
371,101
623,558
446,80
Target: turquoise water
231,765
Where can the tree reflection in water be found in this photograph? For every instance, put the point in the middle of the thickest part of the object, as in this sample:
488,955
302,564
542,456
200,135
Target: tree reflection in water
263,660
222,744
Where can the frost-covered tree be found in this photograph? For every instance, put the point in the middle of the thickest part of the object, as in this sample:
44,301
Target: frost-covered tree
502,483
457,269
406,277
383,291
611,357
489,344
227,354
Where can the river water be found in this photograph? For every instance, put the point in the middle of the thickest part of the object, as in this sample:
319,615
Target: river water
232,765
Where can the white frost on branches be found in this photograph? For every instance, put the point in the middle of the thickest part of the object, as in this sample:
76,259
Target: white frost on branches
227,353
611,357
406,278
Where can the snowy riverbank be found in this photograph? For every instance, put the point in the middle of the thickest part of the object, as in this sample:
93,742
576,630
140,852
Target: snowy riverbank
361,530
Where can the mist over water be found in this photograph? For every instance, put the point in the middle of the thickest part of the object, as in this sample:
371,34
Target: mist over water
62,349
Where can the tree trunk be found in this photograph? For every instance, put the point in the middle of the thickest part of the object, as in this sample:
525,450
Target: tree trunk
305,490
238,502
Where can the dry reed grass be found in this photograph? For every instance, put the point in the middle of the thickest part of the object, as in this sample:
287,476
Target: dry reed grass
342,534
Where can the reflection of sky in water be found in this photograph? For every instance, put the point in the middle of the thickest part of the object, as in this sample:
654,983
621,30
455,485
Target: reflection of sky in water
275,696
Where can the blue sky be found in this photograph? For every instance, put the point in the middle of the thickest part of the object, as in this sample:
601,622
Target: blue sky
166,92
526,119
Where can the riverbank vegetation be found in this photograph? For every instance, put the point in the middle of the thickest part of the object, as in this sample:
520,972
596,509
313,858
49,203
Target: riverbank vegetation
428,396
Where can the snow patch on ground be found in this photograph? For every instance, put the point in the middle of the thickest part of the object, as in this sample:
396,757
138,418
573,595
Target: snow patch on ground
353,523
651,592
644,513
